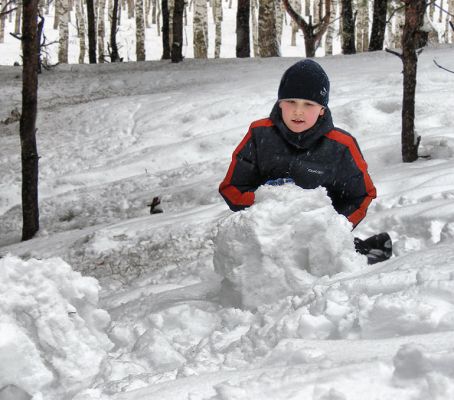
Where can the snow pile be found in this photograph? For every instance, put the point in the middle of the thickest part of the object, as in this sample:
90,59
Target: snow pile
50,326
283,244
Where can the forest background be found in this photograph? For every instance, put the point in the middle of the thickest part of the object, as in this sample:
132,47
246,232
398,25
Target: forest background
211,29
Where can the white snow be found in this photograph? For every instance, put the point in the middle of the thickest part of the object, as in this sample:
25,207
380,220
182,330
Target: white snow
110,302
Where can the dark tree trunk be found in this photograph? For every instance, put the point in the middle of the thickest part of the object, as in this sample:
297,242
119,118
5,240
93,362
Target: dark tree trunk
114,56
29,152
377,37
414,17
91,31
243,45
348,28
312,33
165,30
177,45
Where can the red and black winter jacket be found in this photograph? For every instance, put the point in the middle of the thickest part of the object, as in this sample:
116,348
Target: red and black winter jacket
321,156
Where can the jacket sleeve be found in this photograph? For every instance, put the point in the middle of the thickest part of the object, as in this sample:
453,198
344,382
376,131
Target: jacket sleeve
353,190
243,176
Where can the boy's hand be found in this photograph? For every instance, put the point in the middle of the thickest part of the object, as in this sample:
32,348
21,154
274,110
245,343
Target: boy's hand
279,181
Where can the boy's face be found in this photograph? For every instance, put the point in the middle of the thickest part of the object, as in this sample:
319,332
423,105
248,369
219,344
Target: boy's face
300,115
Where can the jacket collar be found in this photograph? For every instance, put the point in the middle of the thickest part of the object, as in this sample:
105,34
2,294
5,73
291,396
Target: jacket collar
306,139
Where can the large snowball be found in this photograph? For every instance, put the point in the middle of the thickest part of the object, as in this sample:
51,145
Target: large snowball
281,245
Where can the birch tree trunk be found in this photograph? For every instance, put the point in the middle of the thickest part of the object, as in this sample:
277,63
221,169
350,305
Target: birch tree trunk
81,30
396,28
29,151
297,7
331,29
101,30
243,45
147,13
140,31
255,28
280,10
17,23
154,11
200,24
268,44
158,17
362,26
63,18
218,28
130,9
307,8
315,12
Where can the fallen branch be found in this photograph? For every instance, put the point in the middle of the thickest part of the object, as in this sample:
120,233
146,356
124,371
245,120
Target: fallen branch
440,66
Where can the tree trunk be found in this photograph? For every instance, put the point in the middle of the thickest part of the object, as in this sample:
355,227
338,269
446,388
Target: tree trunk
114,56
18,17
312,33
2,23
81,29
177,44
362,26
91,31
140,31
165,30
397,27
29,152
279,12
101,30
255,28
377,37
331,30
218,27
200,26
243,45
451,18
63,21
57,6
296,4
268,45
414,17
348,28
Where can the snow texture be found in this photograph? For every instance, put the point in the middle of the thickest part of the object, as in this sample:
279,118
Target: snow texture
109,302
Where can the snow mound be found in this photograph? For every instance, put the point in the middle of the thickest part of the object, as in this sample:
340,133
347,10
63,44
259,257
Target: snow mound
50,326
289,239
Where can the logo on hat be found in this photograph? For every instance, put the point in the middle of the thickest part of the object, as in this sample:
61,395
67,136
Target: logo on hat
323,92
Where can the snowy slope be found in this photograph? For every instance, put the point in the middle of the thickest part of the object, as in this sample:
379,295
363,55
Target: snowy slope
111,137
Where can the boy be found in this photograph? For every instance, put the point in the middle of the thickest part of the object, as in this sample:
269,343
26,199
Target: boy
299,143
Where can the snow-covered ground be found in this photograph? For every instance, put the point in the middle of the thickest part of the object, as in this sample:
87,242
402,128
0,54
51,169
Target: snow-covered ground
110,302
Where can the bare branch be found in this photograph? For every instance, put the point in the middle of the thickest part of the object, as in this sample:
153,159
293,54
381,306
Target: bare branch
4,11
16,35
440,66
393,52
393,12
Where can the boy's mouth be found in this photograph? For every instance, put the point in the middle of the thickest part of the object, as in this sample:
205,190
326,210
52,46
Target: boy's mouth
298,121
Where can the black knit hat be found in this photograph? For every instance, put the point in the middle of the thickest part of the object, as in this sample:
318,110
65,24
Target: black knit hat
305,80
